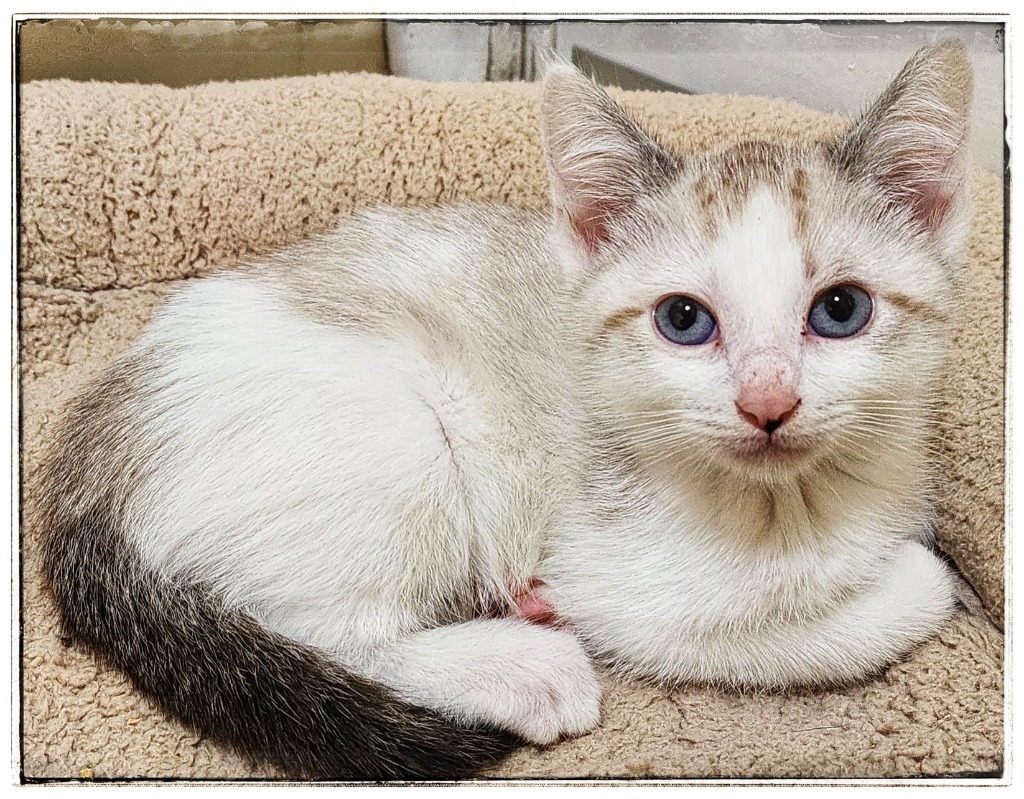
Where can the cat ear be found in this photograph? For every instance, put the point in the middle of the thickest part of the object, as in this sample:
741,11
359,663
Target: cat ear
600,163
913,142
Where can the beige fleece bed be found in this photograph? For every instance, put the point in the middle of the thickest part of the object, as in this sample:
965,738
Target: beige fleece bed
128,190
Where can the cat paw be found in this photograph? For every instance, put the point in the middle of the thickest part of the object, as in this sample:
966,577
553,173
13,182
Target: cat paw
555,693
534,681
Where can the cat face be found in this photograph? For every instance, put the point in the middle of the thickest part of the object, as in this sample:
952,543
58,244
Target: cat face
766,308
771,333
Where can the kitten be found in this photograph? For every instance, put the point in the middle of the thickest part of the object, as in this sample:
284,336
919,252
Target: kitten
317,511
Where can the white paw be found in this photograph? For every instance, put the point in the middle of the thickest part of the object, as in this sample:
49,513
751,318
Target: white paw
552,692
534,681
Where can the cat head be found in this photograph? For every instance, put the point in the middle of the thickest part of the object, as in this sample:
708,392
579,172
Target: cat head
765,307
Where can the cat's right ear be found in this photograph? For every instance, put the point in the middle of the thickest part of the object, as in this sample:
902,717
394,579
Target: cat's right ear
600,163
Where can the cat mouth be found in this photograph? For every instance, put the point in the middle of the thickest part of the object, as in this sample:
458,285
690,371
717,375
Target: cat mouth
772,448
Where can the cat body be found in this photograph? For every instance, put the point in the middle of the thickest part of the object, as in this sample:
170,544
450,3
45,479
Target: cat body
310,510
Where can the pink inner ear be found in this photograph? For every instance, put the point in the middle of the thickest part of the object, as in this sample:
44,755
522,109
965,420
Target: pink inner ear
928,196
589,223
933,208
592,232
923,178
932,205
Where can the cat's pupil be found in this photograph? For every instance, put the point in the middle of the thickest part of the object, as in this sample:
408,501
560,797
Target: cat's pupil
682,314
840,305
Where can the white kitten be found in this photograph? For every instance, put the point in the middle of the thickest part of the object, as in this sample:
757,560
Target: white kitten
318,509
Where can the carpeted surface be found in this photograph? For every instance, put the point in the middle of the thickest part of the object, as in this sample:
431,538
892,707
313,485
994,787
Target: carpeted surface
127,190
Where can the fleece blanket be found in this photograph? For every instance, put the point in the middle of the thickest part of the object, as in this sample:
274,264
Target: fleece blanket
128,190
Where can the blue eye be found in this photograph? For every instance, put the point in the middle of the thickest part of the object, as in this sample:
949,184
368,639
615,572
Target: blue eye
683,320
840,312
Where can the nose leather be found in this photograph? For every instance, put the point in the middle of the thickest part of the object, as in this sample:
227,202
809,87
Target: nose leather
768,410
767,398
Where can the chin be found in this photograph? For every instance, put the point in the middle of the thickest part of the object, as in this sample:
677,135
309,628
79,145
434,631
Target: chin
771,458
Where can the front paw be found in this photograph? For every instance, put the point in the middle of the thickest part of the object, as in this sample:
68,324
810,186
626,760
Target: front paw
542,688
551,692
534,681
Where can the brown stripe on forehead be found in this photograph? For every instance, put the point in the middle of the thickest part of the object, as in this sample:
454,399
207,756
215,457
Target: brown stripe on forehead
730,177
810,265
799,194
707,200
916,308
749,164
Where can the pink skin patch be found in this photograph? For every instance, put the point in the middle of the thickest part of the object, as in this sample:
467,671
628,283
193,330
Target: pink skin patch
532,605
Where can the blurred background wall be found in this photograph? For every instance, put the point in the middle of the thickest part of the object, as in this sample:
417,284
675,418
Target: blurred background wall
831,65
183,52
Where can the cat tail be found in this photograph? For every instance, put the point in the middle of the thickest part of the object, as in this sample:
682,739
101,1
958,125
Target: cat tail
215,668
237,683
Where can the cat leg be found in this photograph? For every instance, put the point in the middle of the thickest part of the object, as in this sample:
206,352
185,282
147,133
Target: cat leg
535,681
856,637
865,633
860,636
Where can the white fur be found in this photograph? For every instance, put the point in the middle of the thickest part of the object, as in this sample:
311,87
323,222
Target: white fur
373,442
536,681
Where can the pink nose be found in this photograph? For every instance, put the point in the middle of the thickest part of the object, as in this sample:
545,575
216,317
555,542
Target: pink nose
769,409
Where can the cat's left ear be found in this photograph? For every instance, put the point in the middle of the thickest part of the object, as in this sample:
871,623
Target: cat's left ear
913,143
600,163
